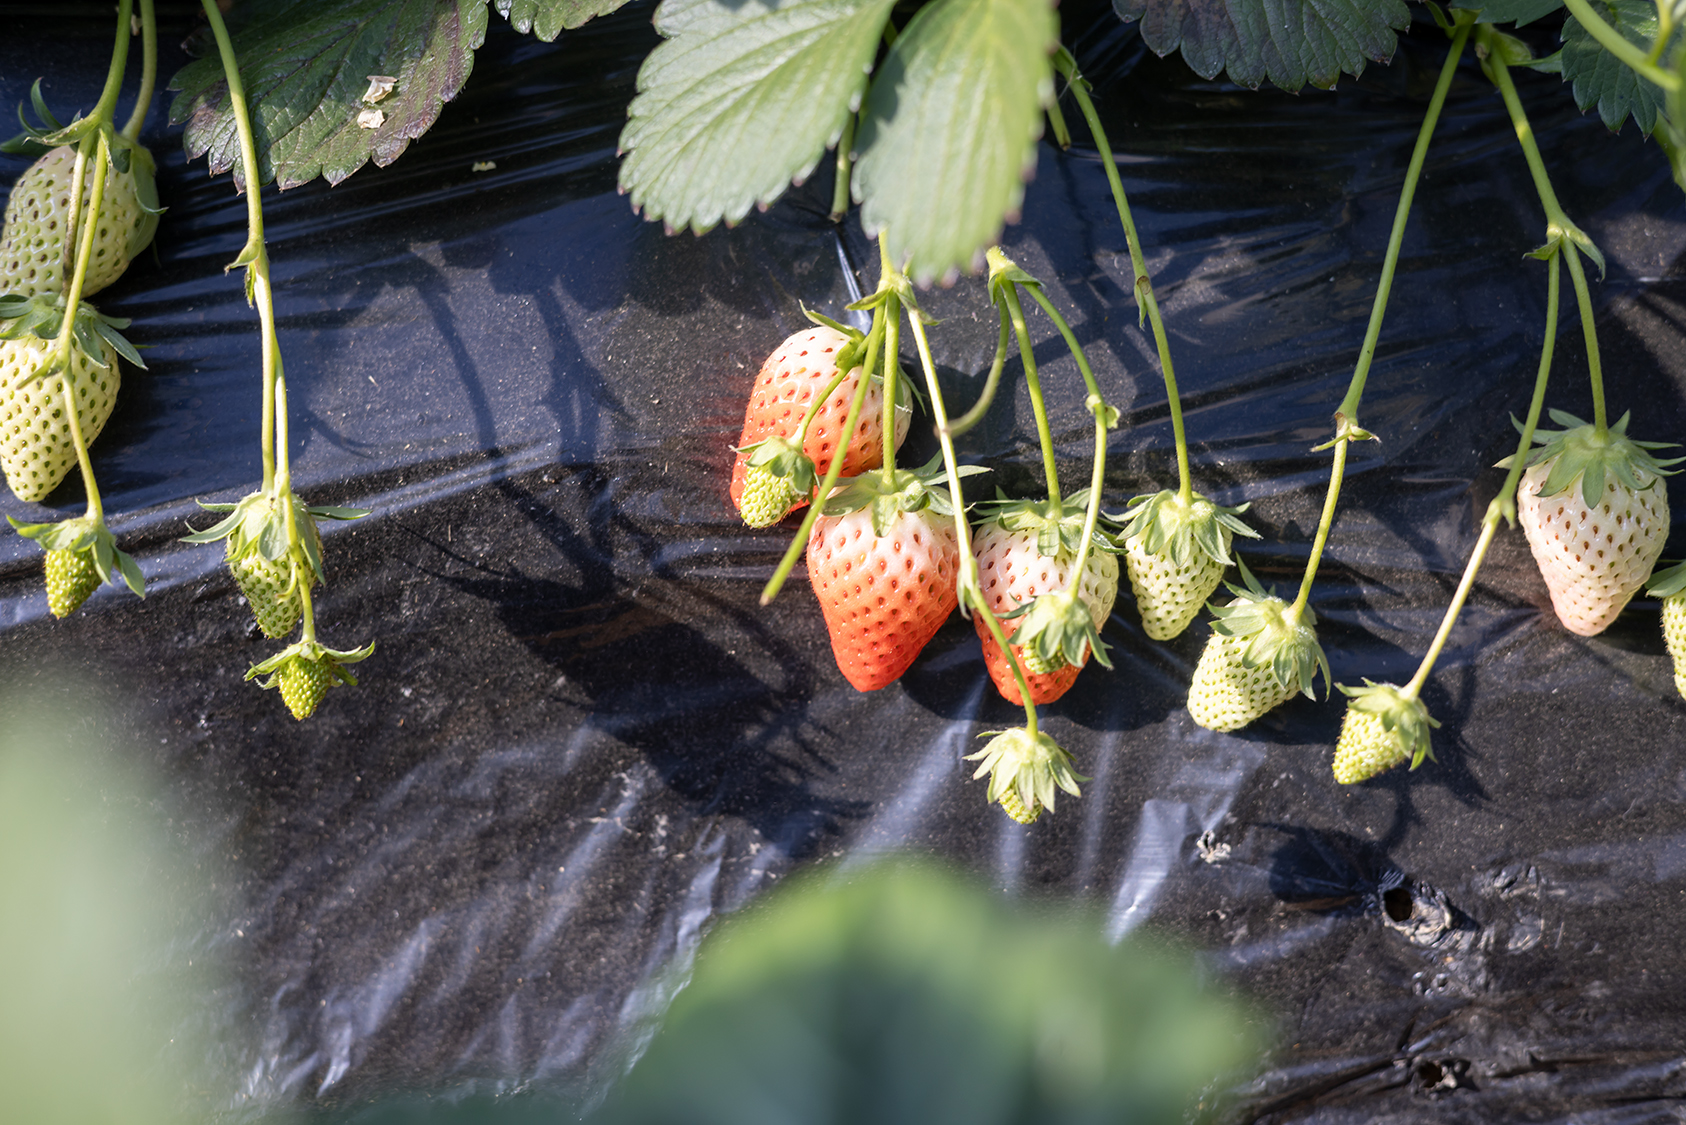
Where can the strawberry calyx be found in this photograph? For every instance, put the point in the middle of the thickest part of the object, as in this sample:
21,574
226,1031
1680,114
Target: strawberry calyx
779,477
87,535
258,523
1384,726
1165,521
1280,638
1056,630
1030,766
1668,583
1582,451
1057,524
42,318
890,492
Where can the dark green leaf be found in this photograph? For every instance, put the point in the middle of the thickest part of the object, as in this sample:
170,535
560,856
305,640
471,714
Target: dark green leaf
1599,78
1289,42
547,18
950,130
1518,12
744,96
306,73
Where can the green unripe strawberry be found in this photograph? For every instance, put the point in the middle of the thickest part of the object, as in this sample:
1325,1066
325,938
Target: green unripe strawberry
71,578
269,589
1176,554
767,497
1384,727
36,447
1261,652
34,258
1016,809
1226,693
1674,635
303,682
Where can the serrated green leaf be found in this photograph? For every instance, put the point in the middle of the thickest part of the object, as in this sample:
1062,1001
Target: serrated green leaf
1518,12
741,99
546,19
306,72
1288,42
950,129
1602,80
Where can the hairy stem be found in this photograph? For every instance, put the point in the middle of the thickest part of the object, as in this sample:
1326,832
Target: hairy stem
1142,285
1503,506
1044,435
149,71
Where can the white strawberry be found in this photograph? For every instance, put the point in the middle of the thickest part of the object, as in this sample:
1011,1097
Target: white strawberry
1176,552
1670,586
1595,512
1259,655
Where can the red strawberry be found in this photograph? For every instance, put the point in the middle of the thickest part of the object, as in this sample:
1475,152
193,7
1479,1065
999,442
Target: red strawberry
1024,551
886,589
797,371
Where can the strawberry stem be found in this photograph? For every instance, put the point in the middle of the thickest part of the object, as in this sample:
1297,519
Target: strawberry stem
967,584
1635,57
892,345
1044,435
869,358
987,396
1346,415
1142,286
149,71
840,193
1503,506
1560,229
107,104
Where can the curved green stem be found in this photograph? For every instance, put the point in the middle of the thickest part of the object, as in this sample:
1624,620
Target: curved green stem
869,359
968,586
149,71
1503,506
1347,413
1097,473
1560,229
987,396
1142,285
840,193
1634,57
61,353
1044,435
107,105
1665,28
892,365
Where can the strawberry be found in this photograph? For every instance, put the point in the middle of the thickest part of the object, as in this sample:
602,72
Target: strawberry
1595,544
1258,656
1024,771
882,559
797,372
269,572
1670,585
36,446
1176,550
1383,727
34,259
81,554
304,671
71,578
1026,554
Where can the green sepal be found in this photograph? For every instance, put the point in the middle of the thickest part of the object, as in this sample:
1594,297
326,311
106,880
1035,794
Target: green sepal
1290,647
1346,429
258,523
1059,629
1399,712
1579,451
87,533
855,334
1161,521
313,651
43,318
1003,271
1057,527
890,492
1034,766
781,457
1104,412
1668,583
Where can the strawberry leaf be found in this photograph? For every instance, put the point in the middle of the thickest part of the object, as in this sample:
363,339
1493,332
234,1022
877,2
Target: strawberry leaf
742,98
1519,12
1600,79
306,72
954,118
1289,42
547,18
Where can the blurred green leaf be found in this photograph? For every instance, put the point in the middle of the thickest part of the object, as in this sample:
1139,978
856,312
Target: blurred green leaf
902,995
1289,42
1600,79
1518,12
744,96
306,71
950,130
546,19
